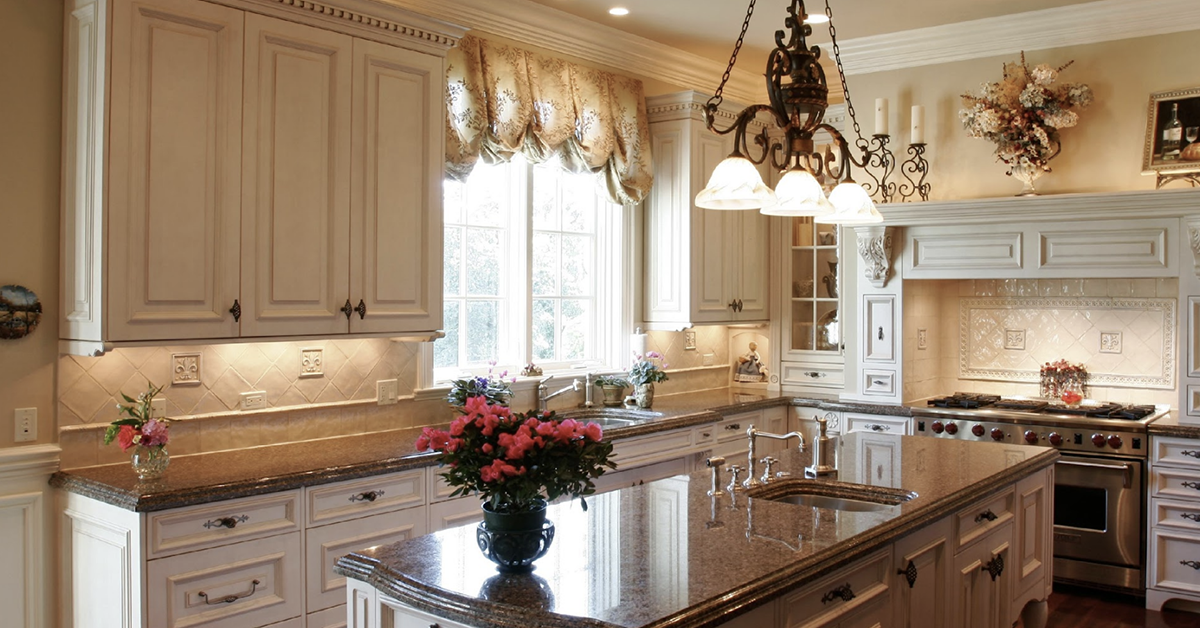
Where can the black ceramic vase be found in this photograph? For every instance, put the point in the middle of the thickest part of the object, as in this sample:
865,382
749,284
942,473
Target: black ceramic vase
514,540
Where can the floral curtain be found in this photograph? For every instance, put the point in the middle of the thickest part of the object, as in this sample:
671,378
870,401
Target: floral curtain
503,100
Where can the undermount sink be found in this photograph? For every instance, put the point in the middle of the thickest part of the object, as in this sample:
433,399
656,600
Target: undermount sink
833,496
609,417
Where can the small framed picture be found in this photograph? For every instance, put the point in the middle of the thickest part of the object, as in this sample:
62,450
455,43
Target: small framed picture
1173,133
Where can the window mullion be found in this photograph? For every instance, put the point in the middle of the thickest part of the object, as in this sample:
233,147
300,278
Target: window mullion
521,279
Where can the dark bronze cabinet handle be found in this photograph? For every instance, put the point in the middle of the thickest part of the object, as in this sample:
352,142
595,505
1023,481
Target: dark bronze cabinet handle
366,496
814,374
1191,485
994,567
236,310
1194,564
361,309
986,515
733,426
909,573
881,333
230,599
347,309
844,592
1190,452
227,522
1190,515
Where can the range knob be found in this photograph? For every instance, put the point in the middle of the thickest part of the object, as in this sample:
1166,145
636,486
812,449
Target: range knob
997,433
1099,440
1055,439
937,427
951,428
1114,441
977,430
1031,437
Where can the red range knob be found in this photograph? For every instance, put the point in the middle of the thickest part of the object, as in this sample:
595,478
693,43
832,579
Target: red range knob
1031,437
1055,439
937,427
1114,441
1099,440
997,433
951,428
977,430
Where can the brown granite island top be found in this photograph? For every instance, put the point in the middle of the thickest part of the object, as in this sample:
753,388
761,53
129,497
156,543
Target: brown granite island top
1171,425
704,559
211,477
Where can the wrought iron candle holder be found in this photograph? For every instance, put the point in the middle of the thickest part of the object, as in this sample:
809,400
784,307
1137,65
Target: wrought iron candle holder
880,164
914,170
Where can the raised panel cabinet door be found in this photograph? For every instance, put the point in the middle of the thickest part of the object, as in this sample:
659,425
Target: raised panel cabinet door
174,170
1032,549
396,189
326,544
752,276
296,190
714,232
981,600
921,584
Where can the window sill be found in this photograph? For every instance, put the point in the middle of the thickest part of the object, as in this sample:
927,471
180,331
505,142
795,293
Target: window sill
522,384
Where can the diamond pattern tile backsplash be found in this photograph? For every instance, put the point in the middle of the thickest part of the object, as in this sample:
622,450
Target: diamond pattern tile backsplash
211,379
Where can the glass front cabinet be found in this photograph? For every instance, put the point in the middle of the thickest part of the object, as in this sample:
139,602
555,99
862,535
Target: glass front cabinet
812,316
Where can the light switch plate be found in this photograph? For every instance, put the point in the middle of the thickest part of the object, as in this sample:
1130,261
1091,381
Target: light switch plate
158,408
387,391
24,424
254,400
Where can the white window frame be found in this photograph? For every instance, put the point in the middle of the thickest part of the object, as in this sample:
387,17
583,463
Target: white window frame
617,291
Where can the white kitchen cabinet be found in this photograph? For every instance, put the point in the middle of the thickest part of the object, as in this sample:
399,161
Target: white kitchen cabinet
236,175
701,265
1173,549
325,544
812,291
921,582
858,595
877,423
1033,551
982,575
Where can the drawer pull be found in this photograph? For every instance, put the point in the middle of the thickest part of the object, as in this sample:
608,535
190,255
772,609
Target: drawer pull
733,426
814,374
875,427
909,573
986,515
844,593
1194,564
230,599
1190,452
994,567
227,522
1190,515
366,496
1191,485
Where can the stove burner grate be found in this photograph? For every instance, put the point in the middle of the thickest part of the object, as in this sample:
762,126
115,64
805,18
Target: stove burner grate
1027,405
964,400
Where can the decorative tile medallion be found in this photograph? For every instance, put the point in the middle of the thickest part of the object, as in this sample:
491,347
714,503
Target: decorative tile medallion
311,363
689,340
1014,339
1110,342
922,339
185,369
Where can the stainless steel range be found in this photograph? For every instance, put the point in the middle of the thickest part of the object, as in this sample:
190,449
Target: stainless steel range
1099,483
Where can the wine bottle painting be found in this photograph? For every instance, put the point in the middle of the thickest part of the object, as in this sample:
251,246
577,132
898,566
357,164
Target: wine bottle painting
1174,127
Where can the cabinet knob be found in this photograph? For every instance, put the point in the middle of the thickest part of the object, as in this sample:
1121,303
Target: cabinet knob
361,309
347,309
994,567
236,310
909,573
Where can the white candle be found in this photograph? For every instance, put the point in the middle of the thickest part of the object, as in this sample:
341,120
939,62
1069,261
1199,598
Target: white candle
918,124
881,116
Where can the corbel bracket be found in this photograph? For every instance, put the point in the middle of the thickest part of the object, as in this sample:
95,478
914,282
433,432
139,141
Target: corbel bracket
875,249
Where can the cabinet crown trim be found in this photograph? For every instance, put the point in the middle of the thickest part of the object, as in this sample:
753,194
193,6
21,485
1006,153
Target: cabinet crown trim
1051,207
376,18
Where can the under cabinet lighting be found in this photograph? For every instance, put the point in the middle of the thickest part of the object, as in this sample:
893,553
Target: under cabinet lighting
618,11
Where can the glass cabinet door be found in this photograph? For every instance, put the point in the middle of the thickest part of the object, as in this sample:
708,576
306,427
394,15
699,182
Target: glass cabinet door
815,287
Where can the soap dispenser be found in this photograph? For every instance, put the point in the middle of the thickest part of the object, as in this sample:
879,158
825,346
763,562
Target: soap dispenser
822,453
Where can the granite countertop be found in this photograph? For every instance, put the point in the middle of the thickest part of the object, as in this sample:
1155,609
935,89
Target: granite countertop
703,559
210,477
1170,425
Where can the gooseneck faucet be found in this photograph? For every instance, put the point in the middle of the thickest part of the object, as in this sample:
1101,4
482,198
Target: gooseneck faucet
544,395
753,434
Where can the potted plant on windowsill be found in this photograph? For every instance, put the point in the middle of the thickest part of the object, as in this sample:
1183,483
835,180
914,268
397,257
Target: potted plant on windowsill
644,373
516,463
613,388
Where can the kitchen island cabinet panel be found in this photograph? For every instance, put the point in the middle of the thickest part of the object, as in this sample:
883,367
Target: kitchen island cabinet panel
982,574
922,579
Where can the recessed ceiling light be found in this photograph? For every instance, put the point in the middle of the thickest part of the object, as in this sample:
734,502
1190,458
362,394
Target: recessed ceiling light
816,18
618,11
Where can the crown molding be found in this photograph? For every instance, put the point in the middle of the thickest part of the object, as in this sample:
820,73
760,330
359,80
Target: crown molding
1074,25
1097,206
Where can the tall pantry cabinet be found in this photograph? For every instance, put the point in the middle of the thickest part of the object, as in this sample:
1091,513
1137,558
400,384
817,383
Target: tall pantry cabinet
250,168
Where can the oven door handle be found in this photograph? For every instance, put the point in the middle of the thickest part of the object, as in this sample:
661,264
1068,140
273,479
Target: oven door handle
1124,467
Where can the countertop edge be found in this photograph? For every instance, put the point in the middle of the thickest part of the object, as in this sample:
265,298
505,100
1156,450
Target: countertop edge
1177,431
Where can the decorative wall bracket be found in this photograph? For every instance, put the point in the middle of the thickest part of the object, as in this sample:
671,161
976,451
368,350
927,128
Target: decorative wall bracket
1193,227
875,249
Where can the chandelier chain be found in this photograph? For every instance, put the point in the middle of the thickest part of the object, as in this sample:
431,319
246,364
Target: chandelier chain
717,96
837,57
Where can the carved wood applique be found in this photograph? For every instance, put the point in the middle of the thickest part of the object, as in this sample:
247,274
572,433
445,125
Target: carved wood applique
875,249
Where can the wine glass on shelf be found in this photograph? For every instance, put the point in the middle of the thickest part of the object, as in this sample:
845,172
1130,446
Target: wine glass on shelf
1191,133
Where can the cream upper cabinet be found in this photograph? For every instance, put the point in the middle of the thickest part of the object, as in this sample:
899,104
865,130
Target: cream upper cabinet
229,174
296,190
702,265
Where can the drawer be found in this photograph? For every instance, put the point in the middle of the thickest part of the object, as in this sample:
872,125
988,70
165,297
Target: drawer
1175,483
879,382
328,618
234,586
436,486
408,617
809,375
231,521
833,420
324,545
980,518
820,604
1175,561
368,496
460,511
645,449
1178,515
734,427
879,424
1177,452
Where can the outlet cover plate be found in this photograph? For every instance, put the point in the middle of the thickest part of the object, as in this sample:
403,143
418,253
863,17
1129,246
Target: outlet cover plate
387,391
24,425
255,400
158,408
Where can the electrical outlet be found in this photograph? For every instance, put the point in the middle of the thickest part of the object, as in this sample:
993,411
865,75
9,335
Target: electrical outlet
254,400
387,391
158,408
24,424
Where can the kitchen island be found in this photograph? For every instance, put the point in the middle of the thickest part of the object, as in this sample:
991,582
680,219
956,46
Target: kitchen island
970,546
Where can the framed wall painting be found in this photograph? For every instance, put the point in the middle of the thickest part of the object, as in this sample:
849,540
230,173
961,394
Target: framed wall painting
1172,148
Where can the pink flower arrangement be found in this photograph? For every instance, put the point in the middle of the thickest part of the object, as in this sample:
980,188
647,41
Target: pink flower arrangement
138,428
514,460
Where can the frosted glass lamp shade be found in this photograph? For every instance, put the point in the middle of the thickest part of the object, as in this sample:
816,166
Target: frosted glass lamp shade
853,206
798,194
735,184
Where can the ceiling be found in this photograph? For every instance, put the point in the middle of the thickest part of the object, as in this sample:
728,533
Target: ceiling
708,28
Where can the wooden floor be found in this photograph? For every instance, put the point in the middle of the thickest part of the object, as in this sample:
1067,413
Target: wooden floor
1083,608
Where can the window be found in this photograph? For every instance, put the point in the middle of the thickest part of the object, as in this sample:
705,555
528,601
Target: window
533,270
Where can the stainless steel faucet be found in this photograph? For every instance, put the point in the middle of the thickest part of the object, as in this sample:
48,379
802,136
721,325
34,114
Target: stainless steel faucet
545,396
587,389
753,434
822,463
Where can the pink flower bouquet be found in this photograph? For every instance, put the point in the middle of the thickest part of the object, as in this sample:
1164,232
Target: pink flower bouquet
138,428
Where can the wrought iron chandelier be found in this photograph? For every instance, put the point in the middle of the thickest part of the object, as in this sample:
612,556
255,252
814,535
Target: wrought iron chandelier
799,96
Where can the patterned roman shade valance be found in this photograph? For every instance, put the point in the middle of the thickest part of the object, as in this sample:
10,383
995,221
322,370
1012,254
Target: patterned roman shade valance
502,100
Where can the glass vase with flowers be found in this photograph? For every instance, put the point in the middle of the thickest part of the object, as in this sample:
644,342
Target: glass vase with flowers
646,371
140,431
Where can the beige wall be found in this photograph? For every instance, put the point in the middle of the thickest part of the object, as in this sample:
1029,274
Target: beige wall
1102,154
30,106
